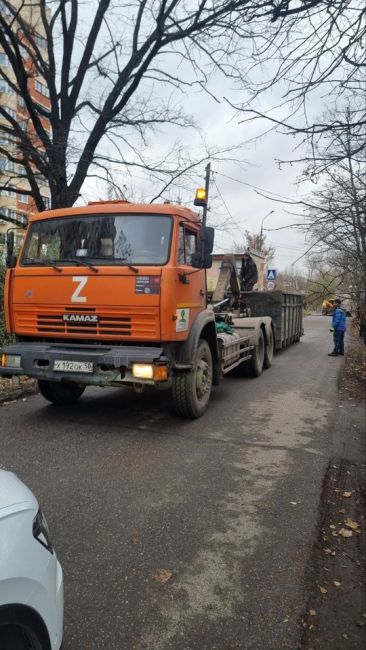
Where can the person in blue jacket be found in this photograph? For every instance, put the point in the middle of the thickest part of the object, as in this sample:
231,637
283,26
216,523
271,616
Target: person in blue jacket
338,328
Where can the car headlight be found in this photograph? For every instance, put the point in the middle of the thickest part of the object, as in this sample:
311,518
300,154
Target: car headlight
41,532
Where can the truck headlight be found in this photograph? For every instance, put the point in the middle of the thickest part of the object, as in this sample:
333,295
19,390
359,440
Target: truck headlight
41,532
143,370
150,371
11,360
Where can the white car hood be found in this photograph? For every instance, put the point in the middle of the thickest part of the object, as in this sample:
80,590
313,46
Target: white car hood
14,495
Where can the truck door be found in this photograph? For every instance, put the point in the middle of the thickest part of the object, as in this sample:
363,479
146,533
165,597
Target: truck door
191,293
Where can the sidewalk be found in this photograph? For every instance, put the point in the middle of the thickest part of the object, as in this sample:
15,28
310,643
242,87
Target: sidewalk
335,617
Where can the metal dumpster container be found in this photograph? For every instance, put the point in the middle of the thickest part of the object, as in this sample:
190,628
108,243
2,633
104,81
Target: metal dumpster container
284,307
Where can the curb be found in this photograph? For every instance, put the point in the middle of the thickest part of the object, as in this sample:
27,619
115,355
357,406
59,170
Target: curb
17,393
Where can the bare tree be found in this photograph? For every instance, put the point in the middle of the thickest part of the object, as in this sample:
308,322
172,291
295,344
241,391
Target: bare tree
311,47
109,72
257,242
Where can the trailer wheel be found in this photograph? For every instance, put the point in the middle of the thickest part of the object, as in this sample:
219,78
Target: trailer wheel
268,352
191,390
254,367
60,393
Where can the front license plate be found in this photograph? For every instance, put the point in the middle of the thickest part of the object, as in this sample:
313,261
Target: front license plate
72,366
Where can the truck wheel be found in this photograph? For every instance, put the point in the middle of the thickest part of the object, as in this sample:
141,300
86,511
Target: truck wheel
191,390
268,352
254,367
60,393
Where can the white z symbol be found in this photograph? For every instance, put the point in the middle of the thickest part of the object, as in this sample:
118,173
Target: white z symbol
82,280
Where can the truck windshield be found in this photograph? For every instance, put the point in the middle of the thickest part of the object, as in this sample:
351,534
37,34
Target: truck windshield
101,239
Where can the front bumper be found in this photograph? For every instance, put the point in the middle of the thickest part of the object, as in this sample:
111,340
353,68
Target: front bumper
111,364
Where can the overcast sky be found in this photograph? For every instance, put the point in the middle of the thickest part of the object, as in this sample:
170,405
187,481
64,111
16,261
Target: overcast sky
242,207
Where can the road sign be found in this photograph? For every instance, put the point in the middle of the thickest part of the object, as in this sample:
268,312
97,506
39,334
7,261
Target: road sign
271,274
271,285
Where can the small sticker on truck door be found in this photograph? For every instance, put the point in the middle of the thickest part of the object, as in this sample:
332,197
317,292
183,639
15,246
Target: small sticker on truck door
182,319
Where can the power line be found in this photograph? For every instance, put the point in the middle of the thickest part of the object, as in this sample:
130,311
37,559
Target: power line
254,187
226,207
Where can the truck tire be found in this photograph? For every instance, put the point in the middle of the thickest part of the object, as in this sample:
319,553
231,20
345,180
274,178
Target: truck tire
60,393
12,638
254,367
269,349
191,390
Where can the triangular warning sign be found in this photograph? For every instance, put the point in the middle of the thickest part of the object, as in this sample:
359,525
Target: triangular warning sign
270,275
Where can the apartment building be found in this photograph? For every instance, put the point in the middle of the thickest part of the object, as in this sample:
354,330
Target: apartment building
15,202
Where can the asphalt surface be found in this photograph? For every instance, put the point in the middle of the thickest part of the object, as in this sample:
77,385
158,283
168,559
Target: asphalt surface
227,504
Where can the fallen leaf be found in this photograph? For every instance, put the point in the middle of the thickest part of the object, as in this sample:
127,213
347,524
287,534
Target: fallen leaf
334,533
342,511
351,524
333,553
163,575
323,590
293,503
332,526
345,532
337,583
312,612
346,494
327,550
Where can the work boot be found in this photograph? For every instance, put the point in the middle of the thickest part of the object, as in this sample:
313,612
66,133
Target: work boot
333,354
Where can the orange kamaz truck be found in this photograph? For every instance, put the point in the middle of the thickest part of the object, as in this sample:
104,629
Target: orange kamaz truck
114,294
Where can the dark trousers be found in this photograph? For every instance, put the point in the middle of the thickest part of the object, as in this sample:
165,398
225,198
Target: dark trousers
338,337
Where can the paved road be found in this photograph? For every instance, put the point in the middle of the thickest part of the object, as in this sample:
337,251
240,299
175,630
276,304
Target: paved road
227,503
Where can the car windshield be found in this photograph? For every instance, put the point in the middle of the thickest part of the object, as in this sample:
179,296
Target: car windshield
101,239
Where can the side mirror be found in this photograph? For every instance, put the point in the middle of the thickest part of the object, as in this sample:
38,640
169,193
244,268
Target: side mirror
199,262
11,259
206,239
203,258
10,242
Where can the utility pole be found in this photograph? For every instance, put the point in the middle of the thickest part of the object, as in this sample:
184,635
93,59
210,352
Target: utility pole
207,187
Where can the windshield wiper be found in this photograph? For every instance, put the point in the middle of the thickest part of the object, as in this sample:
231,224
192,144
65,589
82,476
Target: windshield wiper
117,259
51,263
80,262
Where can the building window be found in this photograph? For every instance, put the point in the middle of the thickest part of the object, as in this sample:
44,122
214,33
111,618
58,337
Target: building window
47,202
7,138
42,88
5,88
23,198
21,217
9,192
40,41
23,125
7,165
11,214
21,102
4,61
11,112
4,9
